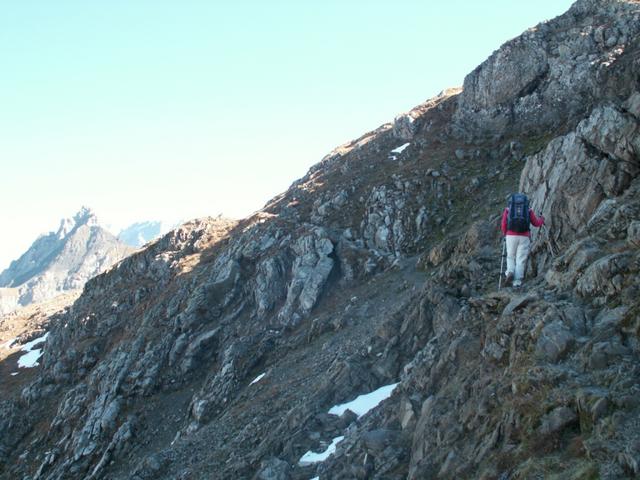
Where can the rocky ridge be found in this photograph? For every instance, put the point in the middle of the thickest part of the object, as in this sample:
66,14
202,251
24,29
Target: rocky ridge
218,350
60,261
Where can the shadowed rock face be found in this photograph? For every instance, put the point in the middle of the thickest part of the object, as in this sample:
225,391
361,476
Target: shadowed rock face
60,261
218,350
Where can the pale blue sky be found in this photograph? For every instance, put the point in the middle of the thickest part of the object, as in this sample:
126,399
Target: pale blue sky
162,110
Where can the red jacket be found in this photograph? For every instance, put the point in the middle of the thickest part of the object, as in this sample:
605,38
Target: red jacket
535,221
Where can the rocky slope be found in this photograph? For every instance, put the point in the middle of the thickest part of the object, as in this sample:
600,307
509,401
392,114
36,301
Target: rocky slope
22,326
60,262
218,351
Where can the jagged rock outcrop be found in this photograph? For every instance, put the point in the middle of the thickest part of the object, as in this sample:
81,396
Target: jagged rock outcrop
60,262
554,72
584,170
218,351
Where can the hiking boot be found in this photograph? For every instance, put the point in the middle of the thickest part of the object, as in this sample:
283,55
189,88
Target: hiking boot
507,279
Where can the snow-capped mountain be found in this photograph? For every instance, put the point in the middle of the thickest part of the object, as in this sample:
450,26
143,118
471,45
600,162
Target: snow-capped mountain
141,233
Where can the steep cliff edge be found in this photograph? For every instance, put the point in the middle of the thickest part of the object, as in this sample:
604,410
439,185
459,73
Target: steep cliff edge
218,351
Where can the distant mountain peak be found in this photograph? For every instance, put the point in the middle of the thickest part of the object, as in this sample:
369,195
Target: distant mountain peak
62,261
84,216
141,233
66,226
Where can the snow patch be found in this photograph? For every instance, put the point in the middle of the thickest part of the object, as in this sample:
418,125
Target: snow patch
310,457
366,402
258,378
361,405
13,374
401,148
30,358
29,345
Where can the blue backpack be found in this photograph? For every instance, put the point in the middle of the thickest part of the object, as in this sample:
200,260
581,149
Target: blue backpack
518,218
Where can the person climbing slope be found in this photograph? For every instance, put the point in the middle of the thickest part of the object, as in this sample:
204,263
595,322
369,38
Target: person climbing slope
517,219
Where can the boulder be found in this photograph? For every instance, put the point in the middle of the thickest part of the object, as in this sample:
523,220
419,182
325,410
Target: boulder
274,469
376,441
633,233
556,420
518,302
600,277
404,127
554,341
310,271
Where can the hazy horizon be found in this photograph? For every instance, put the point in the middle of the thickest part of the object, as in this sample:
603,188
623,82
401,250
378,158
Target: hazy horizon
163,111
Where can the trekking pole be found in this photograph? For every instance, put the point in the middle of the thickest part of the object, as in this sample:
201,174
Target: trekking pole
504,249
549,246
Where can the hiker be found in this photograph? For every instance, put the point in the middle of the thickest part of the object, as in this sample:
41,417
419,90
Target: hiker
517,219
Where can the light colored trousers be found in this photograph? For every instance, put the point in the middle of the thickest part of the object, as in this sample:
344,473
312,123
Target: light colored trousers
517,253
